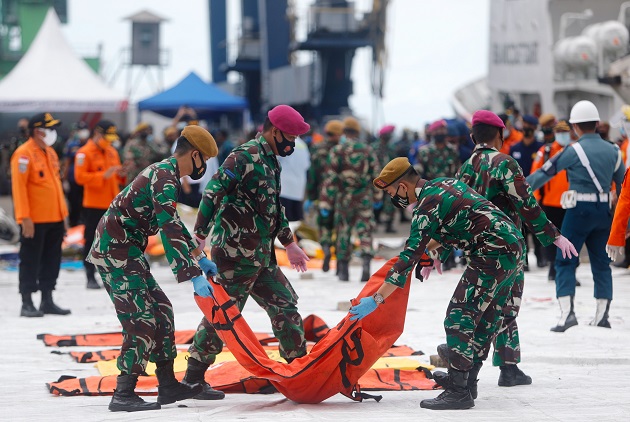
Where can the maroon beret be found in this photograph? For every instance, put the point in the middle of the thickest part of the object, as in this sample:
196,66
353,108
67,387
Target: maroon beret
488,118
288,120
437,125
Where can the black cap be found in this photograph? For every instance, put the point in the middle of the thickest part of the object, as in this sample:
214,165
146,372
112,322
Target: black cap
107,129
43,121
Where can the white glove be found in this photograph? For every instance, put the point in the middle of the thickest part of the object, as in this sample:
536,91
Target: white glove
615,251
566,247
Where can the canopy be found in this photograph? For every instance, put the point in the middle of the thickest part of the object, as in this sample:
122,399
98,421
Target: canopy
50,77
205,98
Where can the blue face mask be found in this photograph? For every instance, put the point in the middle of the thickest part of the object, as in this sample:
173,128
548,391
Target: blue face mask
563,138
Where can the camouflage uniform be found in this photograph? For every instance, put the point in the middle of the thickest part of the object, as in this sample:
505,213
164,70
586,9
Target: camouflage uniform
435,162
385,153
314,185
241,208
456,216
137,155
348,189
499,178
143,208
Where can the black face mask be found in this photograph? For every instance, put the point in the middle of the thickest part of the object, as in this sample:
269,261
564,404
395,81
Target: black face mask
198,171
399,201
547,131
439,139
528,132
283,145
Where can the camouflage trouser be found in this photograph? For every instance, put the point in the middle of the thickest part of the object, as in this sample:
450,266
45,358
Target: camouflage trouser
146,316
473,316
507,347
325,225
272,291
359,217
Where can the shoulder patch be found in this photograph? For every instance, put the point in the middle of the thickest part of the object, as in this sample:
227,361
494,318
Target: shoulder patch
80,159
229,173
23,163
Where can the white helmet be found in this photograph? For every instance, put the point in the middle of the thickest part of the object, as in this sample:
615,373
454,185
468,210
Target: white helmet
584,111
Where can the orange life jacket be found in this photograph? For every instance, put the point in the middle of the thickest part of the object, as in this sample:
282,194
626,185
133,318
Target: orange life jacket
335,363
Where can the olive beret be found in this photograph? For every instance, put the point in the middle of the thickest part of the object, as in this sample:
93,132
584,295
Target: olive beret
393,171
201,140
351,123
334,126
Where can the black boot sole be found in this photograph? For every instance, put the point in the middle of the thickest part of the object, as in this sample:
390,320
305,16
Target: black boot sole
123,408
449,406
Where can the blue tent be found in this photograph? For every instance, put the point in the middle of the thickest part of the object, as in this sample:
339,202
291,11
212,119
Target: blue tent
206,99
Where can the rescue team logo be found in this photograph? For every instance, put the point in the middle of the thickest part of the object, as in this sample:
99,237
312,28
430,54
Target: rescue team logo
23,164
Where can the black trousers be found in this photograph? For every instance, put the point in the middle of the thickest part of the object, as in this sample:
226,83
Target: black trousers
91,217
294,210
40,258
75,203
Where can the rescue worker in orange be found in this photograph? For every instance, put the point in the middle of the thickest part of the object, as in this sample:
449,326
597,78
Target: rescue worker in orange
615,247
511,135
549,195
41,211
98,169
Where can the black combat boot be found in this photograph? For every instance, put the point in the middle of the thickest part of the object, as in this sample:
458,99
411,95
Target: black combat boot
326,262
567,318
195,375
92,284
441,378
126,400
342,270
389,226
28,309
169,389
366,268
511,376
455,396
49,307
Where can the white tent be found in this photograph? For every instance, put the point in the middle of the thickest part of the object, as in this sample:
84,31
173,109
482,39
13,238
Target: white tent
50,77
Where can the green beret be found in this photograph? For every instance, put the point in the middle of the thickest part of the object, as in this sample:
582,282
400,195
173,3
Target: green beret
201,140
392,172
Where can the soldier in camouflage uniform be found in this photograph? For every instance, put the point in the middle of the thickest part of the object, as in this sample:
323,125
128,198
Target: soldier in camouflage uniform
242,214
450,214
386,152
319,159
351,165
439,158
139,151
499,178
143,208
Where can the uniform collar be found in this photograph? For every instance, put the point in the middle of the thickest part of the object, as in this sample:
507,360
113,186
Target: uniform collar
265,146
484,146
173,161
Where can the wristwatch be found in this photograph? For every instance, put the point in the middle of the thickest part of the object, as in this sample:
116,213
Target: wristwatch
378,298
201,256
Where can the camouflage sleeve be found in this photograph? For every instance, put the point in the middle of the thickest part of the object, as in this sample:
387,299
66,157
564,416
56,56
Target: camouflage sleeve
313,176
525,204
175,238
285,235
375,170
224,181
424,223
420,166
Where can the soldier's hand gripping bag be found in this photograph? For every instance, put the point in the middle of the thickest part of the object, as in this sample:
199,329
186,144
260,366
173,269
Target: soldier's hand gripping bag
335,363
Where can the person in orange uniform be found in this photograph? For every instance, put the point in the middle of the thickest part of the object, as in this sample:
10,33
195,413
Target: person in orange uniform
41,211
549,195
97,168
615,247
511,135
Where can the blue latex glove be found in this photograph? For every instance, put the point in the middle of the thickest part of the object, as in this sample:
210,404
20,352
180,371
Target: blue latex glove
208,267
307,205
202,286
324,212
365,307
378,205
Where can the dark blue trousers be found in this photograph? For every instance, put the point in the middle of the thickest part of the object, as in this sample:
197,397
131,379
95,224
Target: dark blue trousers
586,224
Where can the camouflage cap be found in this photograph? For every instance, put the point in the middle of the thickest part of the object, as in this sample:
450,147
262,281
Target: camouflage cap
334,126
392,172
201,139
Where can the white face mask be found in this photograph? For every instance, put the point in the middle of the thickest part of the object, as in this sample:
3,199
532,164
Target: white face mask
50,136
83,134
563,138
